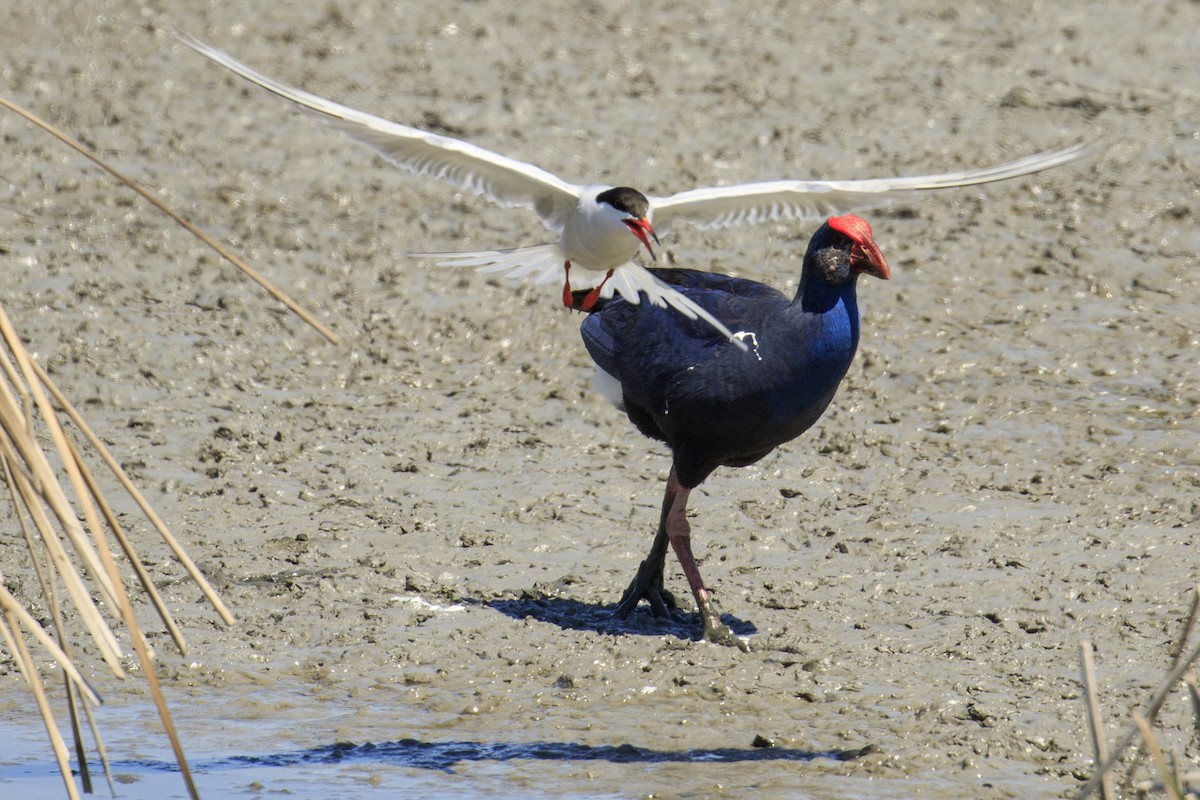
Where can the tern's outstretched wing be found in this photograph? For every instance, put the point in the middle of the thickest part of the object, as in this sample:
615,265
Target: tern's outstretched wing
750,203
505,181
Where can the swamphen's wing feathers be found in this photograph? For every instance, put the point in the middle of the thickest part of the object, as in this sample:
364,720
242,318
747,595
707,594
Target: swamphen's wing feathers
644,346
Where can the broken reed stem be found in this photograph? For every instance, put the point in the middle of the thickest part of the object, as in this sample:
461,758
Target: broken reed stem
216,246
1156,755
19,452
1177,770
160,701
1189,680
11,634
101,750
23,449
85,774
1153,706
1095,726
60,563
130,554
177,549
1187,627
11,606
123,603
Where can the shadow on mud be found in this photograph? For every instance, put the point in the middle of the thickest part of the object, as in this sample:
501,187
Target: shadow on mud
574,615
444,756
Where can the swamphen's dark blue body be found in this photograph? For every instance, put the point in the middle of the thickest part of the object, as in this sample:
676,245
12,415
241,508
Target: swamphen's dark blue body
717,405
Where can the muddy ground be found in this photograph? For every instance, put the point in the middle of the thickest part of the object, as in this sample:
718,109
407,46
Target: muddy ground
422,529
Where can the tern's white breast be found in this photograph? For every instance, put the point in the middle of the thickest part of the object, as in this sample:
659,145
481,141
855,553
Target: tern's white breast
594,237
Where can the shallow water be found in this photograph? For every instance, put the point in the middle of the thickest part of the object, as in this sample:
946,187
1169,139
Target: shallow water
423,530
238,760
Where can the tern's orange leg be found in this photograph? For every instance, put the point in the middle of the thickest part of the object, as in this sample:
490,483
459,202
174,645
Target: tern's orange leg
594,294
567,285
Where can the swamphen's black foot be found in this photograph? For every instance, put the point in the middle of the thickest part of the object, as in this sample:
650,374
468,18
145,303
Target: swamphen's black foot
648,585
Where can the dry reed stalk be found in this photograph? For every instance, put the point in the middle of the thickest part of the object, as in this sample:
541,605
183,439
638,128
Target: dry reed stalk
11,634
35,488
1189,680
42,503
50,592
1193,609
1149,713
1177,771
176,548
17,613
101,750
1156,755
1095,725
216,246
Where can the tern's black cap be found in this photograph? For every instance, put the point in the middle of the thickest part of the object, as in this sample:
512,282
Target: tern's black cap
622,198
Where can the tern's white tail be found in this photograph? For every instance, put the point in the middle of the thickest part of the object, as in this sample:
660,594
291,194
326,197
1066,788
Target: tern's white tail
631,279
544,263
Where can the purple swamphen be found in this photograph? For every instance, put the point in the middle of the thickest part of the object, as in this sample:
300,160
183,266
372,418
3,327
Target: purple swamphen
715,404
